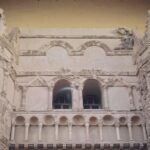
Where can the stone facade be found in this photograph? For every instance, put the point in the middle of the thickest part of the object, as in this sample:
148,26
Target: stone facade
38,64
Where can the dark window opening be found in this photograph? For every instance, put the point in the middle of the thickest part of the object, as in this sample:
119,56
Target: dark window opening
91,95
62,95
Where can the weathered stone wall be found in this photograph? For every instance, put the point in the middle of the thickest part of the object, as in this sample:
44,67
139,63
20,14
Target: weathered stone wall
33,61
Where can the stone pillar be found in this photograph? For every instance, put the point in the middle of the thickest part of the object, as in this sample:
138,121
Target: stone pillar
144,132
26,131
117,130
50,98
80,97
13,132
130,131
75,99
131,98
87,130
40,131
100,130
23,100
56,130
105,100
70,130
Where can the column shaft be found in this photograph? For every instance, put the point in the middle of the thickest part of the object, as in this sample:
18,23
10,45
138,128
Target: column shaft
40,131
70,131
101,132
26,131
144,132
56,131
87,131
13,132
117,132
130,131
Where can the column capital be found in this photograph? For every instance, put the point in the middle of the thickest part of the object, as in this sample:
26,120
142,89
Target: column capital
40,124
117,123
27,124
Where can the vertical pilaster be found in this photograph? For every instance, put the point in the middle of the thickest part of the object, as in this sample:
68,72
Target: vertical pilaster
50,98
23,100
75,99
80,89
105,97
131,98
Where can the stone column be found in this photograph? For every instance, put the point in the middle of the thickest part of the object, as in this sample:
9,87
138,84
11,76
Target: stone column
70,130
130,131
26,131
40,131
50,98
131,98
75,99
100,130
144,132
117,130
80,89
87,130
56,130
13,132
105,97
23,100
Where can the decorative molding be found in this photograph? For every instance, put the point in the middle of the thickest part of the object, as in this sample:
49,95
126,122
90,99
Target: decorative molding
72,51
68,72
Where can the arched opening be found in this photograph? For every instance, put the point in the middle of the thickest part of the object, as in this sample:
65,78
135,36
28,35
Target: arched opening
91,95
62,98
